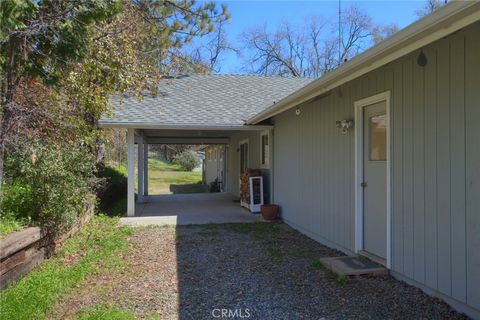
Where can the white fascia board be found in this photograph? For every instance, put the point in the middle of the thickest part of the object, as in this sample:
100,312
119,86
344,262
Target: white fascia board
187,140
150,125
448,19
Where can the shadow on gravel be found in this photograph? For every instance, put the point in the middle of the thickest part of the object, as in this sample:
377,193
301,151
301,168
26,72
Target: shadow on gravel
270,271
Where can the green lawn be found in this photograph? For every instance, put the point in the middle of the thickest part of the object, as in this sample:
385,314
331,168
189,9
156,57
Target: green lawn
99,247
162,174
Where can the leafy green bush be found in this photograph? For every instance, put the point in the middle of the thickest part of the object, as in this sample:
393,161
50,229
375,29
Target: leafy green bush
48,185
16,207
187,160
112,192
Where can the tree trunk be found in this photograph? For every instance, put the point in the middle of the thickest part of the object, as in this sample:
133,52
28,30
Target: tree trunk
2,153
7,90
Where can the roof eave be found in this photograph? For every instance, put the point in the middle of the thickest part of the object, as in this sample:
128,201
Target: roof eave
157,126
448,19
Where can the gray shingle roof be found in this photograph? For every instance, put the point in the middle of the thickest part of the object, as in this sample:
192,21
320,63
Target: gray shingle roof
204,100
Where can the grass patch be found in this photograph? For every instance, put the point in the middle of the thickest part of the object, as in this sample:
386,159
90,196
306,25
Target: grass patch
117,208
276,253
210,234
211,226
97,248
318,265
256,229
162,174
179,237
10,225
343,280
105,312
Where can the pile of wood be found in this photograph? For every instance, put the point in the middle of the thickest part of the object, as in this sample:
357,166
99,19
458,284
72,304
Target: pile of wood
245,183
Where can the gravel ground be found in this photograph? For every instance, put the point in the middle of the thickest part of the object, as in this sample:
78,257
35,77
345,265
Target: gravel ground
260,271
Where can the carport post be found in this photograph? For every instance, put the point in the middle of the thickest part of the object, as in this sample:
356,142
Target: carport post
145,168
140,169
131,173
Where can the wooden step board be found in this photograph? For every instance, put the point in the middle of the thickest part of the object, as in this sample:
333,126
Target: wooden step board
353,266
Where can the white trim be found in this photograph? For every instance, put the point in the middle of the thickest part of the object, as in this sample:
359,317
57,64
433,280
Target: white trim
267,152
140,171
131,173
443,22
186,140
359,105
145,168
272,167
156,125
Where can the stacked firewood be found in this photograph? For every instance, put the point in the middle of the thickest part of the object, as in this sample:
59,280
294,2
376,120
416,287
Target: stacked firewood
245,183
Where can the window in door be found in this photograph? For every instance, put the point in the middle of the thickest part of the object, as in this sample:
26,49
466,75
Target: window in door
378,137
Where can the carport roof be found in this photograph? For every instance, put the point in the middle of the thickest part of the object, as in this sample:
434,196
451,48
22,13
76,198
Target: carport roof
202,101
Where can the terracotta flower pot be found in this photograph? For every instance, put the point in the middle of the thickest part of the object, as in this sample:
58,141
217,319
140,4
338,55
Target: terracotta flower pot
269,211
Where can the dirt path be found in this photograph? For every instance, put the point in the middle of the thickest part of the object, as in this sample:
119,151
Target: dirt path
255,271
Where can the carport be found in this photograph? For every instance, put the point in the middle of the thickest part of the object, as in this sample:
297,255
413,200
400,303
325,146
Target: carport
185,209
200,110
143,137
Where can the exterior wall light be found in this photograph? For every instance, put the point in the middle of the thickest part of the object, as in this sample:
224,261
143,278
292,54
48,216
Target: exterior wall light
298,111
344,125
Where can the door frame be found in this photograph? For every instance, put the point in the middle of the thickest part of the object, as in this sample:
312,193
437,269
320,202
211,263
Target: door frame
359,137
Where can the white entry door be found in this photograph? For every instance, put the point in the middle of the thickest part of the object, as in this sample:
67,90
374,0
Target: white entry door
374,182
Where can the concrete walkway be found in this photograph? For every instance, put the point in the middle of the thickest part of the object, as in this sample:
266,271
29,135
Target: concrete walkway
184,209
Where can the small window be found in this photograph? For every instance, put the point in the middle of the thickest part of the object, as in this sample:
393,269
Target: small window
378,138
265,149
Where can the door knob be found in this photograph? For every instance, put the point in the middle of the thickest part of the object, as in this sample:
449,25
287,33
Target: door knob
363,184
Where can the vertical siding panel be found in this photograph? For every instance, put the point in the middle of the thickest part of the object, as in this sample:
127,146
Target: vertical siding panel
318,167
408,168
310,192
301,207
472,114
443,168
354,96
418,173
381,80
397,155
323,154
341,187
346,170
330,166
349,100
457,156
431,167
389,86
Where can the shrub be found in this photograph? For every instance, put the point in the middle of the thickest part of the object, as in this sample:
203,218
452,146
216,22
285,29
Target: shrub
187,160
16,207
17,202
48,184
112,189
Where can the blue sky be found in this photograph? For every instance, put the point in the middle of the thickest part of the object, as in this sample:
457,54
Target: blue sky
247,14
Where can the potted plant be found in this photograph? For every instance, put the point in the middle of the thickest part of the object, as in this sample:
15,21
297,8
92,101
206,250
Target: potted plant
269,211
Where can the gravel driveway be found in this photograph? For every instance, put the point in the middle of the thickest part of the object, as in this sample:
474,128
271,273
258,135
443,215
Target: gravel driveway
254,271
